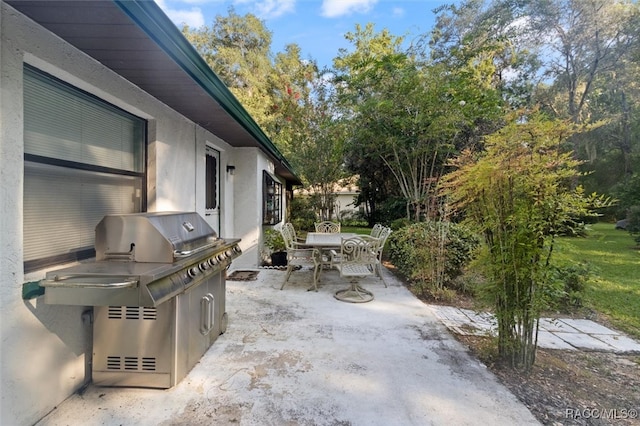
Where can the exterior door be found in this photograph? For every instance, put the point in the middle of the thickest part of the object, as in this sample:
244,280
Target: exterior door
212,185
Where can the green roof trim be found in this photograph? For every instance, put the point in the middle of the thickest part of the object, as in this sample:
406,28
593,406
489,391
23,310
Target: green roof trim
152,20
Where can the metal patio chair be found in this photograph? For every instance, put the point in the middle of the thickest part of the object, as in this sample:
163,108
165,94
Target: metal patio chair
327,227
299,242
375,231
382,236
298,256
357,259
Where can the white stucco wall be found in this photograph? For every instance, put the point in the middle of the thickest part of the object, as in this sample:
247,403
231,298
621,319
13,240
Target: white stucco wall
248,204
345,202
45,348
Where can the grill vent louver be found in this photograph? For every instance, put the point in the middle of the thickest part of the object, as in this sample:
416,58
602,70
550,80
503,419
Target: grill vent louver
149,313
133,313
130,363
115,312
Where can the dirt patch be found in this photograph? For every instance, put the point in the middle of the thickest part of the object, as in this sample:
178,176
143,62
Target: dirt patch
571,387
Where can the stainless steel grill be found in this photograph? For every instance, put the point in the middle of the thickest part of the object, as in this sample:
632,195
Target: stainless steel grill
158,290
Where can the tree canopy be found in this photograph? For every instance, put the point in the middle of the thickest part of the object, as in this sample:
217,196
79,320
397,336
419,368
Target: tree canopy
393,113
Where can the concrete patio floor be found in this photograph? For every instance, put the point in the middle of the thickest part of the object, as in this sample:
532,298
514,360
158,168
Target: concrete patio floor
297,357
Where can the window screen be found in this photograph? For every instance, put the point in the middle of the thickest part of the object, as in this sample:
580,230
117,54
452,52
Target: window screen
84,159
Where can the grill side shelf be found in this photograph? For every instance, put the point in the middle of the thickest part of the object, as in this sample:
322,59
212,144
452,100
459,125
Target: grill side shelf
89,281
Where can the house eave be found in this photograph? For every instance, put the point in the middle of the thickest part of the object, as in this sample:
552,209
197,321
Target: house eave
136,40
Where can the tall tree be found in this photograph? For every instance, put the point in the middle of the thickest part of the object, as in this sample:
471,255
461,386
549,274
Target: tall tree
613,150
355,81
483,36
586,49
308,127
238,50
284,93
576,58
518,195
409,114
578,41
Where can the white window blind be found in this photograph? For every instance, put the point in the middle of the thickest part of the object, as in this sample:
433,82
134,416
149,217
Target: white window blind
66,124
84,159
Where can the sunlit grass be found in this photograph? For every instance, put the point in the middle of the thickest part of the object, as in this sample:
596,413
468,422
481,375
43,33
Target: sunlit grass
356,230
614,262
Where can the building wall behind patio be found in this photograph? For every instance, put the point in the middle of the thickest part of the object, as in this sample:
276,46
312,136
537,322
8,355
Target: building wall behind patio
46,349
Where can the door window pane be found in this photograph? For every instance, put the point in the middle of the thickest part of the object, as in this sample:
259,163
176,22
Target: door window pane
212,182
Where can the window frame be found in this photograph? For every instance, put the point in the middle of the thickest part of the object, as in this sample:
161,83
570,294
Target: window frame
66,166
271,199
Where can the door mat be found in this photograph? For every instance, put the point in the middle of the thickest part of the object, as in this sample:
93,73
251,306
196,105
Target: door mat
243,276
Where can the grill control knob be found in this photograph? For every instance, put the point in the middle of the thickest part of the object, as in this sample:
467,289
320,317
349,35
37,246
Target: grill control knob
221,257
204,266
229,253
213,261
192,272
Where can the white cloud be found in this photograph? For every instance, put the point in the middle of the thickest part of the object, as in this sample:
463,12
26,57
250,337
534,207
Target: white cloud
398,12
336,8
192,17
273,8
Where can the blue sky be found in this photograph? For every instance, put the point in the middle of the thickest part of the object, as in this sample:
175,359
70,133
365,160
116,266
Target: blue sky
317,26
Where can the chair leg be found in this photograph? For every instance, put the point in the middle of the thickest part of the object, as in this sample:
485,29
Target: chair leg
289,269
379,268
316,276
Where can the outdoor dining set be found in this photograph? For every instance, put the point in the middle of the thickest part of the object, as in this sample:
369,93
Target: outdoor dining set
355,256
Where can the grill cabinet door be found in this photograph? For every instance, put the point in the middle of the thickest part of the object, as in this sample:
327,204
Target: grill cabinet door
133,345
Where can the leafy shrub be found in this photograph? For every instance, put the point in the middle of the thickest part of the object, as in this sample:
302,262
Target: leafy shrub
302,215
355,219
400,223
575,227
273,240
432,254
471,279
567,286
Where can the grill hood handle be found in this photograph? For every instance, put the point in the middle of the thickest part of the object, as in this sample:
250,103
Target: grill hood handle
186,253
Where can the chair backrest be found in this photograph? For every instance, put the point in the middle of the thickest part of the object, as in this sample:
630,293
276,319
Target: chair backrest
375,231
359,250
383,235
288,236
291,229
327,227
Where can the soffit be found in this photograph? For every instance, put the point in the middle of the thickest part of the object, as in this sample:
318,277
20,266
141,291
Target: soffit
137,41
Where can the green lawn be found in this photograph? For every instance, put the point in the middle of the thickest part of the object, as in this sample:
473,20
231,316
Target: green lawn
614,262
356,230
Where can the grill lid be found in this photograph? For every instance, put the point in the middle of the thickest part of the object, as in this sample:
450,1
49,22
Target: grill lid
153,237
